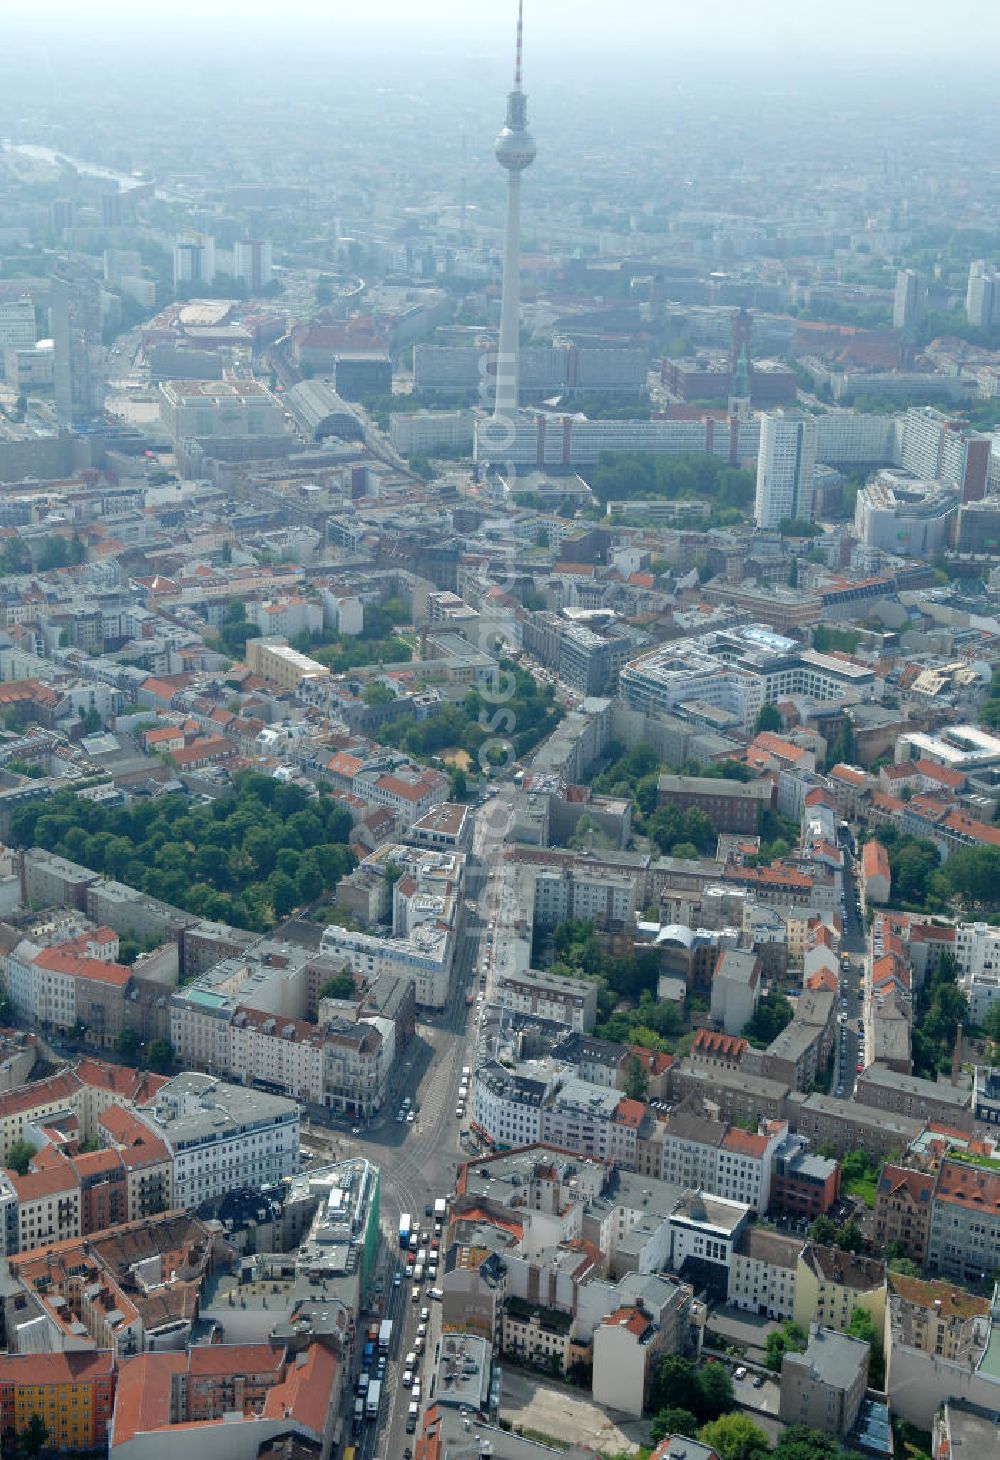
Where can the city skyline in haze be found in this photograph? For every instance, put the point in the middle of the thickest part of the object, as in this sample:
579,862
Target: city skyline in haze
780,29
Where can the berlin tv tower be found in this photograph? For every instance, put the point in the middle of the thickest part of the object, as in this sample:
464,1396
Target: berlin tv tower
515,150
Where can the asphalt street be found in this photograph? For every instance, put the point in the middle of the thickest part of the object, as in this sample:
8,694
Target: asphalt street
419,1161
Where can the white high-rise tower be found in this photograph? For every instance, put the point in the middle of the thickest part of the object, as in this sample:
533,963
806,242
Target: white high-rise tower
515,150
786,463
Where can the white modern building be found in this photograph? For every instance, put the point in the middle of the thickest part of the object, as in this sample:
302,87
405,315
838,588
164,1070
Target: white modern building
900,514
426,917
222,1136
426,956
421,432
909,303
194,259
507,1105
982,295
762,1276
785,466
287,617
740,670
736,988
233,406
977,953
253,263
17,324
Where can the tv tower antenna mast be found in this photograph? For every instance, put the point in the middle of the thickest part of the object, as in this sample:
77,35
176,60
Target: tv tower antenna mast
515,150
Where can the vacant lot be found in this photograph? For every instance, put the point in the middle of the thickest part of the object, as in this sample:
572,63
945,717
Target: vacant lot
566,1414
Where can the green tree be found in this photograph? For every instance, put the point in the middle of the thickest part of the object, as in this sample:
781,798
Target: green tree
213,861
341,986
904,1265
789,1338
35,1435
673,1421
308,881
799,1442
824,1231
716,1386
772,1014
734,1437
862,1326
283,893
850,1237
636,1084
127,1044
991,1023
19,1157
378,693
160,1054
769,718
973,874
675,1385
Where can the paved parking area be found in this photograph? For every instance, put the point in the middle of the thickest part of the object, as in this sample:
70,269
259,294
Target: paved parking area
567,1414
765,1399
735,1326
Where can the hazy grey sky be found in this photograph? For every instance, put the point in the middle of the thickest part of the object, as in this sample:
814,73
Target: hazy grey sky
906,28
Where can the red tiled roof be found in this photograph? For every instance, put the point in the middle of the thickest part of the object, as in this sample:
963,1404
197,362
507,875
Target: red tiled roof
630,1112
931,771
875,860
56,961
137,1085
919,1184
969,1186
142,1398
930,933
657,1062
711,1041
138,1146
79,1366
743,1142
305,1393
62,1086
631,1318
229,1360
979,831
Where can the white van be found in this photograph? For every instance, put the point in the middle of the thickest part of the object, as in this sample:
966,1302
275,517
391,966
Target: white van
407,1378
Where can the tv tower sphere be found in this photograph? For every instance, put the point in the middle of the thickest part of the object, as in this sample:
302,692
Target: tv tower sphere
515,147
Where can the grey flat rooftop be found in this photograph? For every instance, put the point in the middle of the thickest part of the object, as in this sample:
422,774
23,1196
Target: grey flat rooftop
832,1357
